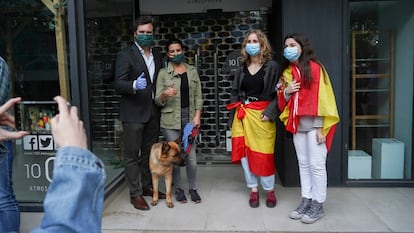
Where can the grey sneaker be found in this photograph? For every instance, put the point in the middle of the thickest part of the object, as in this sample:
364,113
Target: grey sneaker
314,213
301,209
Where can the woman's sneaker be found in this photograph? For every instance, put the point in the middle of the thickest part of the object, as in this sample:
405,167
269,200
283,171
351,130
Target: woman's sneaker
303,207
314,213
180,196
194,196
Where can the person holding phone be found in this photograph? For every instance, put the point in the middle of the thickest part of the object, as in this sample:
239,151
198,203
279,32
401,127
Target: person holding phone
75,168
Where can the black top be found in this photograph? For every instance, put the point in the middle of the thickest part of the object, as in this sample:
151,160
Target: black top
185,102
270,78
252,85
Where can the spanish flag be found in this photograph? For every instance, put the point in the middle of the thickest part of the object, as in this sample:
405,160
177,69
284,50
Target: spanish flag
252,137
317,100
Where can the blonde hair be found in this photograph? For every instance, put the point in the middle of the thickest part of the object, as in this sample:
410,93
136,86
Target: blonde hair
265,48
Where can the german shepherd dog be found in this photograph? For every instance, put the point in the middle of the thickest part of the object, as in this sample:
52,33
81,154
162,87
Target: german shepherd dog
164,155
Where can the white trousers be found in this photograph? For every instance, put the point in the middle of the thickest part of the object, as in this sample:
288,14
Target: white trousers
312,165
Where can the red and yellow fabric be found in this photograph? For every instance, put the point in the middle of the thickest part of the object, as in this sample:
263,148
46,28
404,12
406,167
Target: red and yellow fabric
252,137
317,100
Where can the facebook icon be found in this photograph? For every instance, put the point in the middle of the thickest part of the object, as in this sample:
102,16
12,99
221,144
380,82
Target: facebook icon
30,142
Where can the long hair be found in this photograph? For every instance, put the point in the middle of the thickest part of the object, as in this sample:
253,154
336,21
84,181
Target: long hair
265,48
308,54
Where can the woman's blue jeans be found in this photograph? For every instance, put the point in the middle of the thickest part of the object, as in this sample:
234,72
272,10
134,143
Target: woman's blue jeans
9,209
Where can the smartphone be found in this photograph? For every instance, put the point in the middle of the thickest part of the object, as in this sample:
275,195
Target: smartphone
35,115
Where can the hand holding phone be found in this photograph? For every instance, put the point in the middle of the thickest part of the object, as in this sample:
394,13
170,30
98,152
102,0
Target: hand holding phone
6,119
67,128
36,115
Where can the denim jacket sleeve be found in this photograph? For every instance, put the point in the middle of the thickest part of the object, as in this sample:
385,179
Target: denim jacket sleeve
74,201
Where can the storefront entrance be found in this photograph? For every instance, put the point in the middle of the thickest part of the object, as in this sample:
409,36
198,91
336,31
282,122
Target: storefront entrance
213,32
212,40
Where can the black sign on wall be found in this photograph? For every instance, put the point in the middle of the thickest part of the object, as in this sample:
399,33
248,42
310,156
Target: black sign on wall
233,61
103,67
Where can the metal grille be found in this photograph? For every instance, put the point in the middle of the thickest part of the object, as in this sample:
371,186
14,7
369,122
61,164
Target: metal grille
208,39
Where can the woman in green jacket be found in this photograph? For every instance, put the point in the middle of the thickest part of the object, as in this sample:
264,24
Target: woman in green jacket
178,93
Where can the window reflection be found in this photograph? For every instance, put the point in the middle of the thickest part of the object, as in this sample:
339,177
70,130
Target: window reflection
29,45
380,135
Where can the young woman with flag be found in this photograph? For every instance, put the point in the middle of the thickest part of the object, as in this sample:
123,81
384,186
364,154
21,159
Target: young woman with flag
309,112
253,109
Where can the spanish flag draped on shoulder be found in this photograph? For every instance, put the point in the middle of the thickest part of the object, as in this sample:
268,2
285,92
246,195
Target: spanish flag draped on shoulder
317,100
253,138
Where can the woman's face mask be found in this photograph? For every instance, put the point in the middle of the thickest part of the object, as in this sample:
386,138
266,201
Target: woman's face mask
252,49
178,58
291,53
144,40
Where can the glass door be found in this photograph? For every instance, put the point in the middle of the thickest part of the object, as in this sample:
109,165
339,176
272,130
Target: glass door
381,79
109,29
212,42
33,43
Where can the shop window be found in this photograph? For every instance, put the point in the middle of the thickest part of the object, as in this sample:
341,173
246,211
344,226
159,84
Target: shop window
36,54
381,79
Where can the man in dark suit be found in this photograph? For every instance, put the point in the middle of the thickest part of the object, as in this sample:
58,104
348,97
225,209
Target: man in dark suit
135,79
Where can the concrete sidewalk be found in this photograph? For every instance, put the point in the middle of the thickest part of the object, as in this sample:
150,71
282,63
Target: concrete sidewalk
224,208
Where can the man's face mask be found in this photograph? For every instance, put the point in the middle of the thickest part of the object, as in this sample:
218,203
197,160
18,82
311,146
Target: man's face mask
144,40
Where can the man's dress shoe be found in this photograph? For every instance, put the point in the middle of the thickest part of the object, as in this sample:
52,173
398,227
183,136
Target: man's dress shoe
139,203
149,191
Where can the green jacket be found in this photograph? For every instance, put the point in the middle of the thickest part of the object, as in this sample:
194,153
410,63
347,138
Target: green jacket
171,109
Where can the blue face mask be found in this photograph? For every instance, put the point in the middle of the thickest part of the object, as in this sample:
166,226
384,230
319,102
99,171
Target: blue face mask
252,49
291,53
144,40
